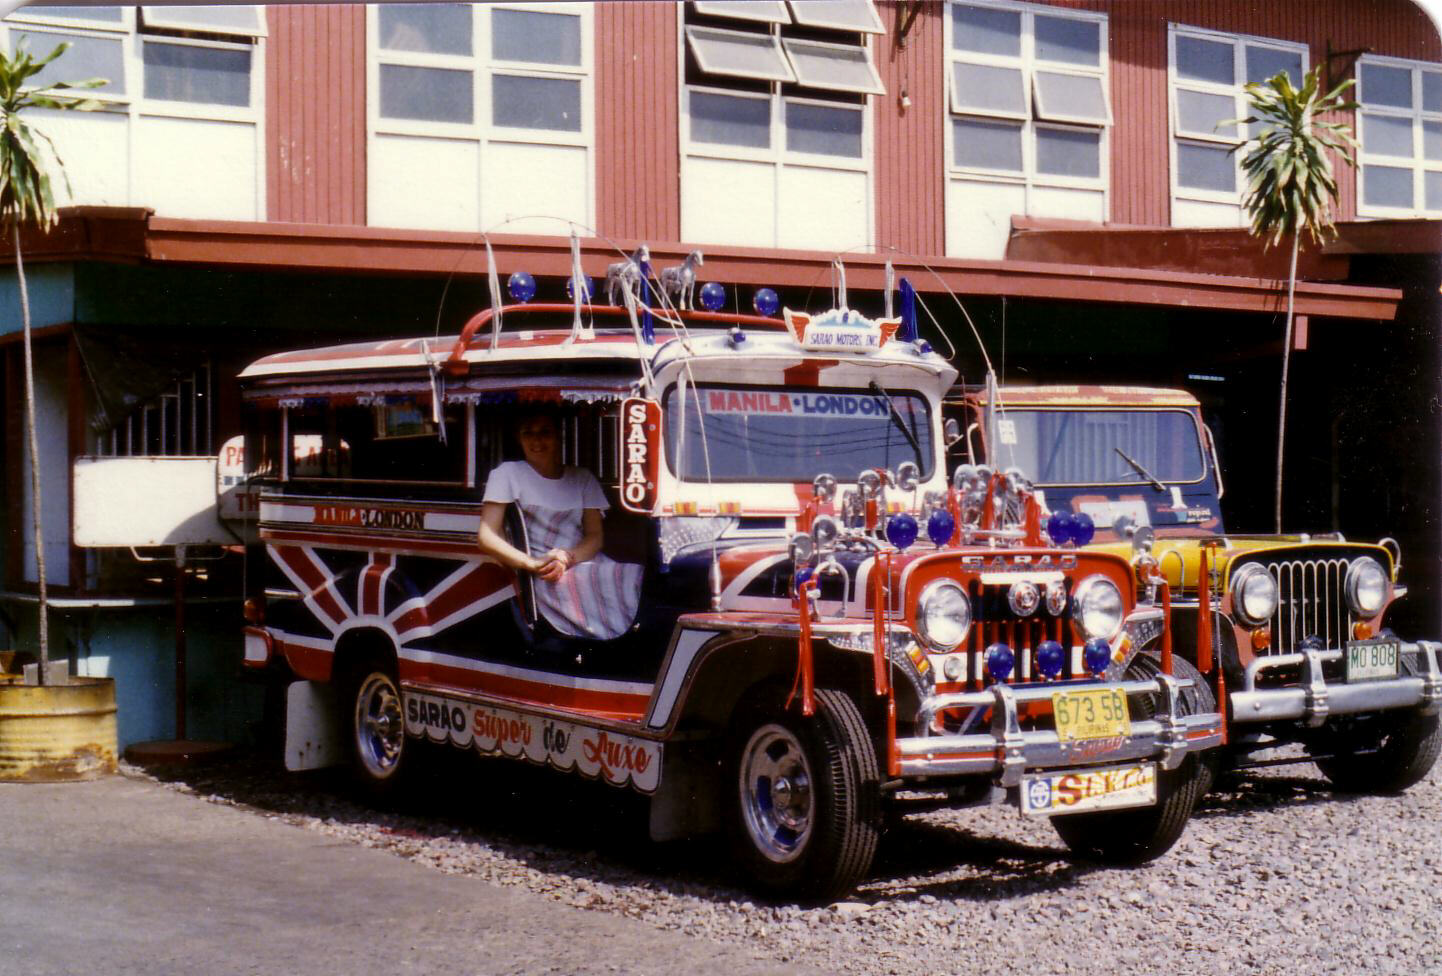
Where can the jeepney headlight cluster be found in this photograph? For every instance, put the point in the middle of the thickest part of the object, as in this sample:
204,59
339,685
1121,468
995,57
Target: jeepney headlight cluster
943,615
1254,595
1366,587
1097,607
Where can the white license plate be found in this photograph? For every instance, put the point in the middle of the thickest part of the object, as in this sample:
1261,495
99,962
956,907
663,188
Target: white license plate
1078,790
1372,659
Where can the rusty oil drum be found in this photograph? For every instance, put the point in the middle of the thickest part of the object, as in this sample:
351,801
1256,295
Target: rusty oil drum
57,733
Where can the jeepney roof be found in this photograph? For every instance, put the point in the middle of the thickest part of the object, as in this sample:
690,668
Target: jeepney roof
698,336
1083,396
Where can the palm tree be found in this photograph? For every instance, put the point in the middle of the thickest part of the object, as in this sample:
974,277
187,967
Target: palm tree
1290,186
26,198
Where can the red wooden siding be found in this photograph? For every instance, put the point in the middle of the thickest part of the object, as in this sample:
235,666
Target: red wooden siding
315,107
638,171
910,160
1139,139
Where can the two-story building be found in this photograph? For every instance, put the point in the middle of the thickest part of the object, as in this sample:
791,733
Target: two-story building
265,177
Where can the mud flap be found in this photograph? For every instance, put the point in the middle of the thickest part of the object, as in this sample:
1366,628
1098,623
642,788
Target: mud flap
688,799
314,737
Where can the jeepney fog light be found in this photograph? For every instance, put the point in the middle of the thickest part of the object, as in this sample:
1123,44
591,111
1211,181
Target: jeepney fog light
1050,658
1097,654
1366,587
1097,608
999,661
1056,598
954,667
1254,595
901,530
943,615
1062,528
1023,598
939,527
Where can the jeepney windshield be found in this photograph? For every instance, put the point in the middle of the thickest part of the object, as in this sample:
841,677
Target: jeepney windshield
1085,447
776,434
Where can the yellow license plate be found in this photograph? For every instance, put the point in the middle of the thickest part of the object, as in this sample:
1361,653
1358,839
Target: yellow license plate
1096,713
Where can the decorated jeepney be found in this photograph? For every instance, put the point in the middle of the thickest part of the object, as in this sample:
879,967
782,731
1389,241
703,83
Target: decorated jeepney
1290,630
830,622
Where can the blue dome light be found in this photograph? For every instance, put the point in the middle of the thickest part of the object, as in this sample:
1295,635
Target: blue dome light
766,302
1098,655
588,290
713,296
802,575
1083,528
1050,658
1061,527
901,530
999,661
521,286
940,526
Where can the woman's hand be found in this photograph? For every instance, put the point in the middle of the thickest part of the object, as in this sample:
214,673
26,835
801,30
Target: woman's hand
554,564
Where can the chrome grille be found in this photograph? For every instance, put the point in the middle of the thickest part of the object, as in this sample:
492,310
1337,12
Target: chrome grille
1309,602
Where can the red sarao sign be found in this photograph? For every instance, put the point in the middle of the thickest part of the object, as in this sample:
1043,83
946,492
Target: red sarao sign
640,452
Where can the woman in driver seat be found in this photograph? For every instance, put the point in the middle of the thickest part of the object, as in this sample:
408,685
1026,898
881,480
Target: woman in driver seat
579,592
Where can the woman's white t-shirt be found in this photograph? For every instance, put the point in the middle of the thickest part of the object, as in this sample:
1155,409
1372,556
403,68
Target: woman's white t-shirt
597,598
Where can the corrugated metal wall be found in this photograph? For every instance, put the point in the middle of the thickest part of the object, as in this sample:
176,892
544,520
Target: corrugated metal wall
1140,186
315,114
638,178
315,106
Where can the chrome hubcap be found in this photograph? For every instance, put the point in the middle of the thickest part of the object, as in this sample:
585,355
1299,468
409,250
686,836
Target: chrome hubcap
776,801
380,726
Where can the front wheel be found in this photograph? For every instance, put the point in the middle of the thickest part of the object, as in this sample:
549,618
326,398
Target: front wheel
377,728
1407,748
1141,834
804,809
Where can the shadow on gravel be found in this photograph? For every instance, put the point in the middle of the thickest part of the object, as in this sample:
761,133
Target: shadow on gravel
1241,794
562,825
926,857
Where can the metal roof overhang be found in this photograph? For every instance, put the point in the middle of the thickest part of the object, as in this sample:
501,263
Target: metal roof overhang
136,235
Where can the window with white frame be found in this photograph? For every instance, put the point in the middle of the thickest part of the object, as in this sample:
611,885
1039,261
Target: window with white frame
179,127
491,106
1028,116
1207,72
1399,126
775,122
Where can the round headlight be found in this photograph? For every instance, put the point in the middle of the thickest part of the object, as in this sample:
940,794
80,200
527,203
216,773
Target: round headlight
943,615
1097,607
1254,595
1366,587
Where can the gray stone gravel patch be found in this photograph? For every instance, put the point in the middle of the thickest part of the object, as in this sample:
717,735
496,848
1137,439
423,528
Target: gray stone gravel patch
1276,873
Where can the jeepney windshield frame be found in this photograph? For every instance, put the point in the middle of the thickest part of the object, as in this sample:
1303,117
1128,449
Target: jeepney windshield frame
1190,413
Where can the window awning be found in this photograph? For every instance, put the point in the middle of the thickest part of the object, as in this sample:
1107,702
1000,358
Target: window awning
236,20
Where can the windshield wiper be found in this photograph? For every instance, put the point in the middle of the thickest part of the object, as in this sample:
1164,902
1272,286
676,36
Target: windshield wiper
900,424
1137,467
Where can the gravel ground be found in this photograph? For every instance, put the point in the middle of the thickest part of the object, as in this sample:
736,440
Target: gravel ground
1275,874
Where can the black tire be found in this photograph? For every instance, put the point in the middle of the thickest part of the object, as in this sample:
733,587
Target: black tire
1407,748
374,718
1141,834
803,807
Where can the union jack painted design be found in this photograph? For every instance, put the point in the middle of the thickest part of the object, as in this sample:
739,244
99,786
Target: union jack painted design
450,620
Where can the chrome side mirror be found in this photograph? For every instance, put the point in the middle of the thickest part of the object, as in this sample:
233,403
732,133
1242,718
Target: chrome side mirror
868,483
803,547
824,533
823,488
908,476
951,431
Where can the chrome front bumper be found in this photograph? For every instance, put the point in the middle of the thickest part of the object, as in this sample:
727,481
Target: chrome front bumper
1312,699
1008,751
